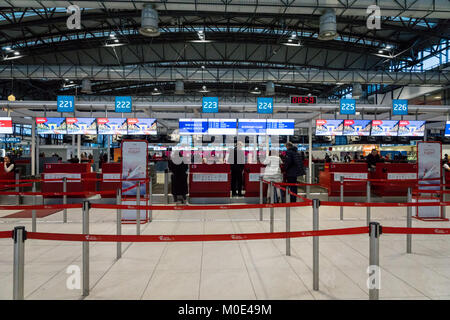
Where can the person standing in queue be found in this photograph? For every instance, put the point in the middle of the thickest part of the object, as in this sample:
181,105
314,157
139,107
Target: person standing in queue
237,168
8,164
372,159
179,179
272,173
293,167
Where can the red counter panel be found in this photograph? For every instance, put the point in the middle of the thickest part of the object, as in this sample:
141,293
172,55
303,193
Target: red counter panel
81,171
251,179
393,171
110,170
209,180
330,178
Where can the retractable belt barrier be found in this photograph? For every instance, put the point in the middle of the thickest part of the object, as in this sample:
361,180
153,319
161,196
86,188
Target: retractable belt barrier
220,237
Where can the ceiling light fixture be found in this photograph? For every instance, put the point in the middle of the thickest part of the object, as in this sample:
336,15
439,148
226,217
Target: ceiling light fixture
255,90
203,89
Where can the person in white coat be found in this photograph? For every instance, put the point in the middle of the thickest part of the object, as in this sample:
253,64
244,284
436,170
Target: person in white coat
272,173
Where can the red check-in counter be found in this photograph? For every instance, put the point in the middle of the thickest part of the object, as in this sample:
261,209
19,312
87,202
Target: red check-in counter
81,171
209,181
447,178
110,170
330,178
393,171
252,173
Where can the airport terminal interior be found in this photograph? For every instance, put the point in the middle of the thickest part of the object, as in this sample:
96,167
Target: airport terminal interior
224,150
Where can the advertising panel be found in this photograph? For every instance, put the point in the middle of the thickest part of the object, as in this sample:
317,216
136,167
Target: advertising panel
81,125
357,127
329,127
384,128
142,126
411,128
6,126
51,126
112,126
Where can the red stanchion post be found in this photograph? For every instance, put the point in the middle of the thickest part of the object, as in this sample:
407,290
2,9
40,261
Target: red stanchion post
19,236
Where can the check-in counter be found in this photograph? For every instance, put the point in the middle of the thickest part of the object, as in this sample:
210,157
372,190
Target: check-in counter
330,178
252,173
85,179
110,170
209,181
393,171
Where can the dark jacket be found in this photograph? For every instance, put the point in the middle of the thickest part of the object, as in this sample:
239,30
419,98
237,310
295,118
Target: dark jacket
238,160
373,160
293,163
179,178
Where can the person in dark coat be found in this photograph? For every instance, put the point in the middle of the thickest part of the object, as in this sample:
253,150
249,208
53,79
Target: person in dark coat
293,167
372,159
179,179
237,168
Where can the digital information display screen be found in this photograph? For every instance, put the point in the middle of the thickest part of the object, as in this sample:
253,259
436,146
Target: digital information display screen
282,127
303,100
411,128
6,126
329,127
252,126
222,126
142,126
447,129
384,128
116,126
81,126
51,126
193,126
357,127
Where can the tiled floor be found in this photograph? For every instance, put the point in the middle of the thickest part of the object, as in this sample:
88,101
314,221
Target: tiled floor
256,269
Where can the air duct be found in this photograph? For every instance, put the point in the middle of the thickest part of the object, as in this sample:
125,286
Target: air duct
86,86
149,22
179,87
270,88
328,28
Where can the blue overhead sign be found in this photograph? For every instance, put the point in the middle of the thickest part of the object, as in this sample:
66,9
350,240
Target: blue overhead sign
347,106
65,103
10,140
123,104
210,104
265,105
399,107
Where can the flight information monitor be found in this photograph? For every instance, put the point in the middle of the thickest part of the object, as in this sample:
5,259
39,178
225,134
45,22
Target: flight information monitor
193,126
357,127
384,128
282,127
222,126
447,129
252,126
329,127
411,128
